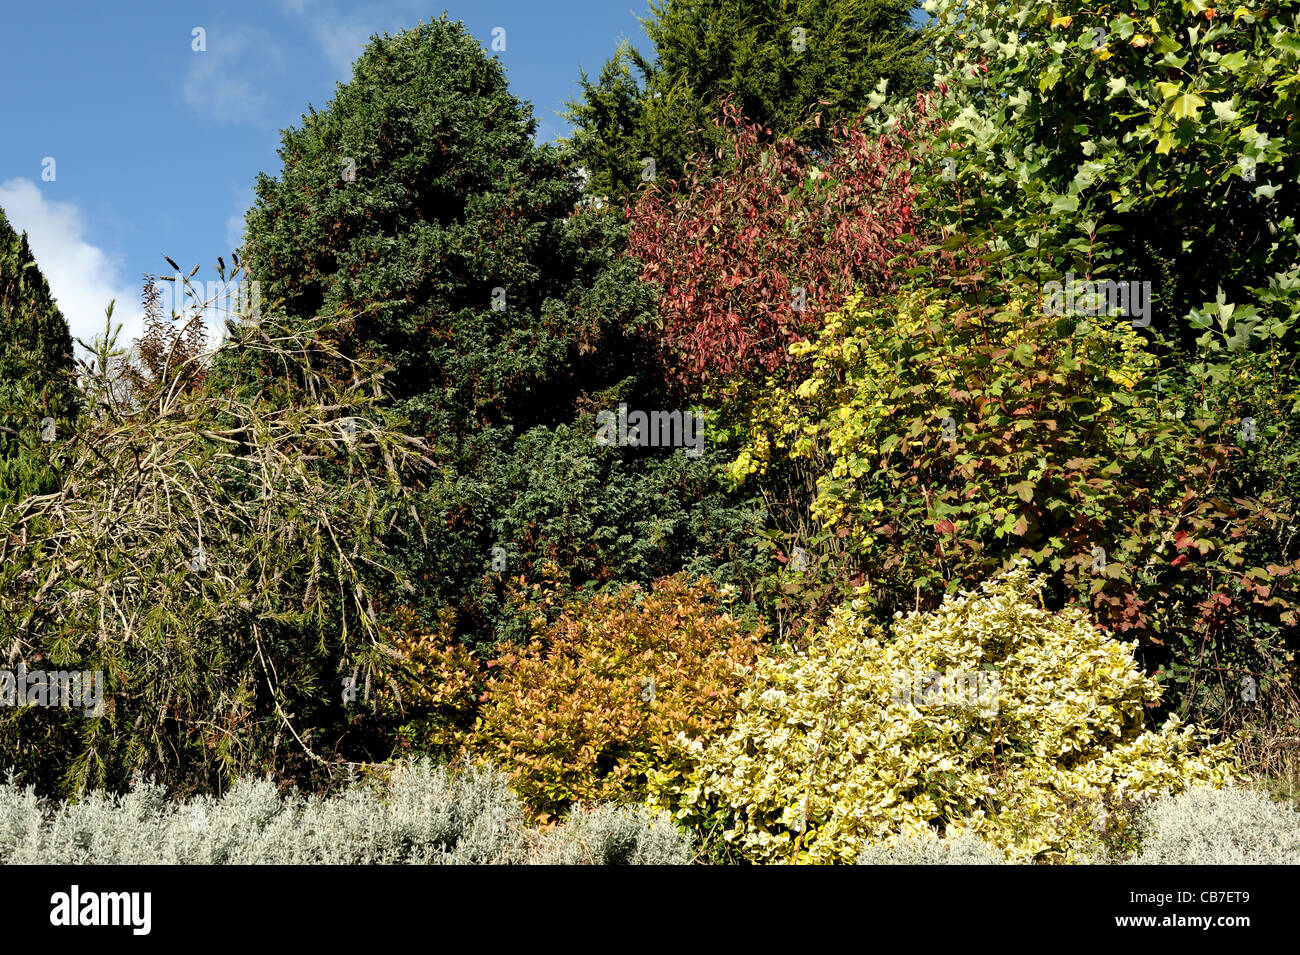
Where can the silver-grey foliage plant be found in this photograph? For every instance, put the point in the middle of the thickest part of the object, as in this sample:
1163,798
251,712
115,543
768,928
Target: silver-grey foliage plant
614,835
420,814
1199,826
1206,826
932,850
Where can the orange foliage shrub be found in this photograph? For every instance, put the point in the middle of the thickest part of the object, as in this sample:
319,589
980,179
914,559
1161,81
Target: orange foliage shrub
608,695
433,690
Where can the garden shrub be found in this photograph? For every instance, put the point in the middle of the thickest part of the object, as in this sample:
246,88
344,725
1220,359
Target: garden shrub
419,813
838,745
214,553
410,814
927,848
429,700
749,262
614,835
1203,825
606,697
947,440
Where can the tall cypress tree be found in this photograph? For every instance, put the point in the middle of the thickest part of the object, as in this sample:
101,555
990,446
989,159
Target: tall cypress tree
778,60
35,368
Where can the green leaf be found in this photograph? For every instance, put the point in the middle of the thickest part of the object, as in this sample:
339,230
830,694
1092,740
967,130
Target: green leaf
1065,204
1182,103
1223,111
1166,141
1288,42
1233,61
1024,490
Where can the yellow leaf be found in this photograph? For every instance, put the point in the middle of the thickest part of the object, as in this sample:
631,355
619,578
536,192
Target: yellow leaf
1140,40
1187,105
1182,103
1061,22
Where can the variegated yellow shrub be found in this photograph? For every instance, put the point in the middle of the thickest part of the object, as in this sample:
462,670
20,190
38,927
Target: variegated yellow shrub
1044,750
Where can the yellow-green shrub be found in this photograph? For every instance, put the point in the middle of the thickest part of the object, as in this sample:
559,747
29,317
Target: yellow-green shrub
822,744
431,696
946,440
615,690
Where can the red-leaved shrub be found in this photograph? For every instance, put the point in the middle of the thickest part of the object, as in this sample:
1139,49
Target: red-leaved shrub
750,258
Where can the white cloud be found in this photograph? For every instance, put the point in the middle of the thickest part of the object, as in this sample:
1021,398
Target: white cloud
341,36
342,43
225,82
82,277
297,7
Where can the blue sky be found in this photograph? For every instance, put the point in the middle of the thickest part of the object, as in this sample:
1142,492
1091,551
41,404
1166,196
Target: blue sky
156,146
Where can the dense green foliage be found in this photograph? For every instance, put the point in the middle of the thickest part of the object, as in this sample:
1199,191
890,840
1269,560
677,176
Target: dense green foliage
406,202
1029,328
1150,139
458,254
778,61
35,369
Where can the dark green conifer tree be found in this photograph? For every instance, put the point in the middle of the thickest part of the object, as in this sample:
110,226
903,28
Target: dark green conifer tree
36,392
780,61
418,206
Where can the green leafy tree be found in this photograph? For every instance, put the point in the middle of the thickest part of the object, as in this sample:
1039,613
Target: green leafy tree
417,206
1152,138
